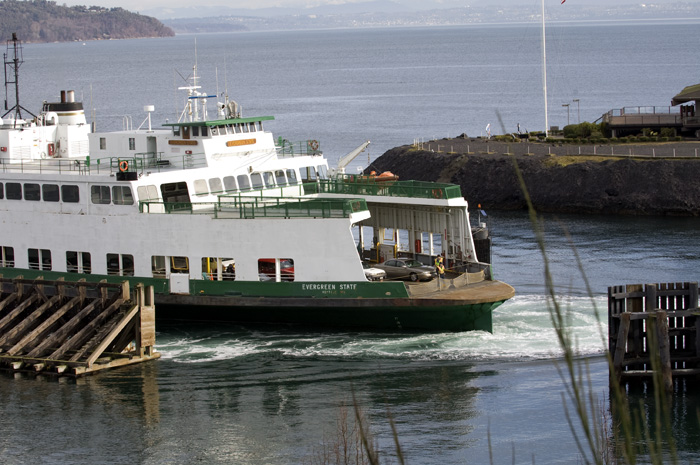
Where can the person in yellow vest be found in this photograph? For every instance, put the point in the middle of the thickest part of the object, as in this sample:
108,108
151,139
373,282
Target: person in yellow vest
439,267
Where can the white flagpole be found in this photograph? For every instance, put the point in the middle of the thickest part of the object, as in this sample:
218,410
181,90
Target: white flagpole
544,75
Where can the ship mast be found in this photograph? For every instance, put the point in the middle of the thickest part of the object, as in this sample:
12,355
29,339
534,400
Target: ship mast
12,72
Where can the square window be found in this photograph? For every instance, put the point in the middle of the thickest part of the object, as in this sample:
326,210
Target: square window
244,182
50,192
8,257
200,187
70,194
13,191
121,195
230,184
215,185
32,192
256,179
100,195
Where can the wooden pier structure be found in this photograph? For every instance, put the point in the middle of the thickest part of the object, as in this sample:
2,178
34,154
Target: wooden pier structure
650,323
74,328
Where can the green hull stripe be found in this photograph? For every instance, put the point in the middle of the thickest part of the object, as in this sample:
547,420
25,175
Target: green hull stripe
348,290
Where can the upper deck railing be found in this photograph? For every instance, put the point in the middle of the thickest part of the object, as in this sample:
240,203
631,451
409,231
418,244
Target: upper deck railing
376,186
139,162
286,148
243,207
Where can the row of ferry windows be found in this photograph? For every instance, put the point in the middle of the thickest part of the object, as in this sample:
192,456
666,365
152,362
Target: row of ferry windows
223,269
236,128
122,195
243,182
265,179
196,131
118,195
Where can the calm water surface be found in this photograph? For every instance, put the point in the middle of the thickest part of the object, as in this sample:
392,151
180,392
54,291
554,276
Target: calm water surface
228,394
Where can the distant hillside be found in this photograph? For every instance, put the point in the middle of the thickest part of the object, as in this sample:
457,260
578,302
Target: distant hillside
388,13
45,21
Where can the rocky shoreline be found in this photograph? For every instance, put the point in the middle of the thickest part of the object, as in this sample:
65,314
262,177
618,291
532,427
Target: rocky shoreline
620,179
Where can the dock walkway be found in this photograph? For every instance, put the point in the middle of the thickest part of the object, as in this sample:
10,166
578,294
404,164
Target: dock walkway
74,327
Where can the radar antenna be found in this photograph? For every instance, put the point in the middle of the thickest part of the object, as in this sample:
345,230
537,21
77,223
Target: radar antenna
12,72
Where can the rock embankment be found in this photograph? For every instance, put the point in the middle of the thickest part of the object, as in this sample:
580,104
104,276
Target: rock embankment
558,182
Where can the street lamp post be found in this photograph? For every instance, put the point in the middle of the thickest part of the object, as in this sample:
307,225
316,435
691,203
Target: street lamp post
578,110
567,112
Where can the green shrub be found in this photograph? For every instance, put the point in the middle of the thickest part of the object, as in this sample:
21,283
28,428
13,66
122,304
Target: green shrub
667,132
583,130
503,138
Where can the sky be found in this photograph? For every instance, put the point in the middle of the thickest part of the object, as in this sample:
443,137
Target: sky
142,5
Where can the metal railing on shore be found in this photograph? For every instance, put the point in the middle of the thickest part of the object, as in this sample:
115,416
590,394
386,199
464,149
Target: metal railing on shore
645,110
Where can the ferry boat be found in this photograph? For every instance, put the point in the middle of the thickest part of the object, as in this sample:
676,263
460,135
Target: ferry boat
228,223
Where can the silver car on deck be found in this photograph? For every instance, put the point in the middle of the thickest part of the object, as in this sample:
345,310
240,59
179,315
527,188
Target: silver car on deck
372,273
407,268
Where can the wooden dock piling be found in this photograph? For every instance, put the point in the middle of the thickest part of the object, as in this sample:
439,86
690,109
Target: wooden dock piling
74,328
654,326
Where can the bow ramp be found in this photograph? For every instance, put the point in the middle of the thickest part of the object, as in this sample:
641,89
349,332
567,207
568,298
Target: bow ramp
74,327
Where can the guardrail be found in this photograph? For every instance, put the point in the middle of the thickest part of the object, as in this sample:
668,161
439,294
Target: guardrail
286,148
139,163
236,206
642,110
368,185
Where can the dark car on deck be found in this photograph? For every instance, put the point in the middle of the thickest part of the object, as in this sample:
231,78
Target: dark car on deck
407,269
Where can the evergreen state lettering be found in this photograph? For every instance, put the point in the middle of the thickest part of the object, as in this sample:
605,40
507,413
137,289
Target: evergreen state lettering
329,287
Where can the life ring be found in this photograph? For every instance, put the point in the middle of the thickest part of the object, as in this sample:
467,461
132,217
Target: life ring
437,193
123,166
313,144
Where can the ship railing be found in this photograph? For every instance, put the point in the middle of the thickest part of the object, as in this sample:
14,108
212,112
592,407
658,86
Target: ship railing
150,162
242,207
453,280
365,185
49,165
286,148
138,163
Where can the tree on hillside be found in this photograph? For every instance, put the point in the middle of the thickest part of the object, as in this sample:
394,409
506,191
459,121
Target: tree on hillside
45,21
